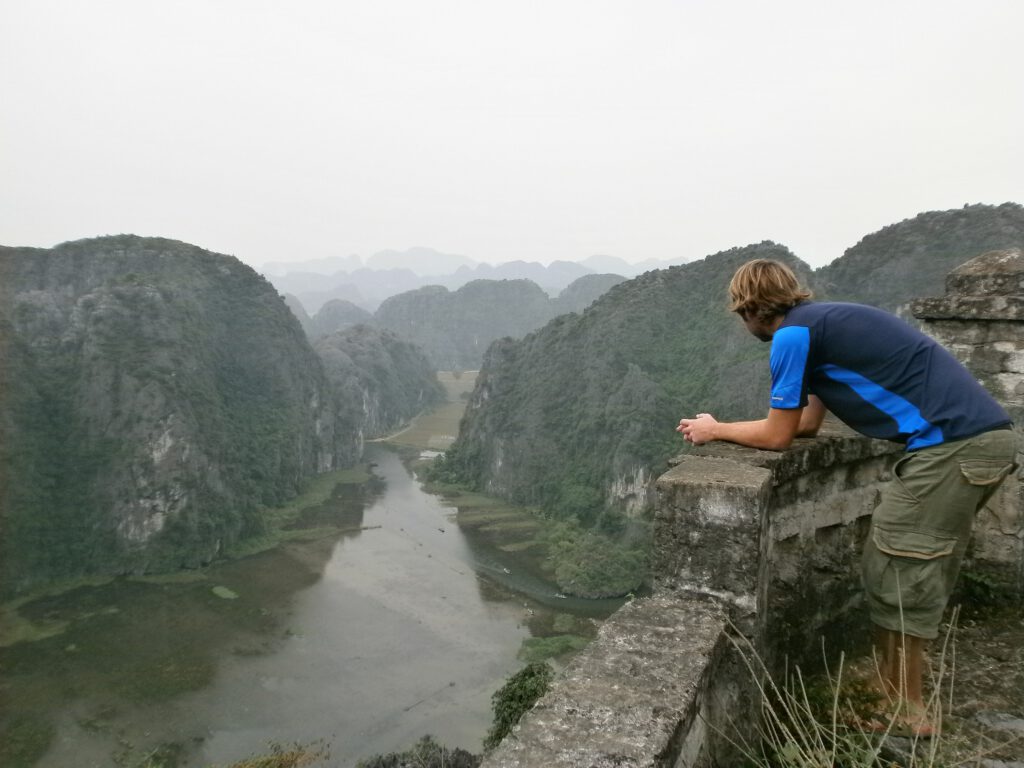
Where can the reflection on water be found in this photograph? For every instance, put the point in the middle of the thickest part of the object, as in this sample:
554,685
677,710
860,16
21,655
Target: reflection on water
403,625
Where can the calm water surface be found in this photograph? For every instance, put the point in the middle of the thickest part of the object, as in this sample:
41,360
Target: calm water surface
401,627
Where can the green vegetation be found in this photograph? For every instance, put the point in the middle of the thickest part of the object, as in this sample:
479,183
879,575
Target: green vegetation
517,696
590,563
537,649
24,739
427,753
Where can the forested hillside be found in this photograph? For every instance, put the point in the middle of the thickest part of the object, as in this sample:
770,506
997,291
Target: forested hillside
583,292
903,261
156,397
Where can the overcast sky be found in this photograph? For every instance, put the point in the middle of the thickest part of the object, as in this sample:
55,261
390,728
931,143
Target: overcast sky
280,131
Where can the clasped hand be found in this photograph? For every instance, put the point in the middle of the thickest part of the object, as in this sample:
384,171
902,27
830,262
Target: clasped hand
699,429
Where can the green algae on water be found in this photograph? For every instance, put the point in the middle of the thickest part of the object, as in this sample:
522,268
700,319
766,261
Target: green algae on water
24,739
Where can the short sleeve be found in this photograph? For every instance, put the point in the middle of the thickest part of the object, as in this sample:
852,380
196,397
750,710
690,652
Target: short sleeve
790,348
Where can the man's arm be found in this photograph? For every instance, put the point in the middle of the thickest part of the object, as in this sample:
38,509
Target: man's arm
774,433
811,418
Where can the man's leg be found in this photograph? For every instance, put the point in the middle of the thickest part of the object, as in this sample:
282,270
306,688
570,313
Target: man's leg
919,535
901,669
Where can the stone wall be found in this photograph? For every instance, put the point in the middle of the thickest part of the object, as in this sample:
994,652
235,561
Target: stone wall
763,547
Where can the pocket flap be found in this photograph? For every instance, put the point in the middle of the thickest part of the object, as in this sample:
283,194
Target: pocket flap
915,544
982,472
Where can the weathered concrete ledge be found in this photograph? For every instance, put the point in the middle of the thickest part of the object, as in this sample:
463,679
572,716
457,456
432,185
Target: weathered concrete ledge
631,698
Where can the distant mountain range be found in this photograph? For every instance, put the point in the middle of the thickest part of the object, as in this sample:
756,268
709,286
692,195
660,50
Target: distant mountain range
389,273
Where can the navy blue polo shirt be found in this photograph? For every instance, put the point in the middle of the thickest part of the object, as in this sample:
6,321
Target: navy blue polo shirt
879,375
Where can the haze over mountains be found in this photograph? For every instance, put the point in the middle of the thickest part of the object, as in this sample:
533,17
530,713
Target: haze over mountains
389,273
454,328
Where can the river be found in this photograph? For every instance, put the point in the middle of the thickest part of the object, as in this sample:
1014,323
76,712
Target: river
364,641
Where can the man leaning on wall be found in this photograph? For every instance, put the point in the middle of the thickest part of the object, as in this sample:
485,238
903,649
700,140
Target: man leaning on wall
886,380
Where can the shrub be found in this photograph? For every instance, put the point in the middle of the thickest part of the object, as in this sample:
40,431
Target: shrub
519,694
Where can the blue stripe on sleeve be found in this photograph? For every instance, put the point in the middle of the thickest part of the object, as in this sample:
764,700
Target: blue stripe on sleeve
790,347
907,416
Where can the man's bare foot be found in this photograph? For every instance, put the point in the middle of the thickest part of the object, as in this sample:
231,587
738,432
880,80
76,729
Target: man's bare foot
914,724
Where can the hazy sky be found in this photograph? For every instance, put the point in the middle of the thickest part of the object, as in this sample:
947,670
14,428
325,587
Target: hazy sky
279,131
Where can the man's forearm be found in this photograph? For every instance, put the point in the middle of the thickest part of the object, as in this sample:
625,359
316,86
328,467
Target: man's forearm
754,434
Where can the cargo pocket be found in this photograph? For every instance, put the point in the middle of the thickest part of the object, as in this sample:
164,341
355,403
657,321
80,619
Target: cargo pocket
983,472
915,545
987,475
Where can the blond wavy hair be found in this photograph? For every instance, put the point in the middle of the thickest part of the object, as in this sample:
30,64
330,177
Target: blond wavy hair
765,289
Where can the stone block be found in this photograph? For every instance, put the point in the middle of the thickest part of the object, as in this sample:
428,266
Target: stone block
708,528
994,273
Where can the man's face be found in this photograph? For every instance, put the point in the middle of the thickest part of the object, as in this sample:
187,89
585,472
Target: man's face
761,329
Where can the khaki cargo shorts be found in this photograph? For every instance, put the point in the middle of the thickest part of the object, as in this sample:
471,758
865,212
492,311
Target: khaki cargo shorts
920,530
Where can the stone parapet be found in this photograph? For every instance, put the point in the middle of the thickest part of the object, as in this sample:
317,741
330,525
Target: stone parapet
776,536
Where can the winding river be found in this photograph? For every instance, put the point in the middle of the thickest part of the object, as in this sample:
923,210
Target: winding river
402,626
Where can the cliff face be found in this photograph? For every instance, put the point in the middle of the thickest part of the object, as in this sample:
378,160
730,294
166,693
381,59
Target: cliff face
379,380
155,396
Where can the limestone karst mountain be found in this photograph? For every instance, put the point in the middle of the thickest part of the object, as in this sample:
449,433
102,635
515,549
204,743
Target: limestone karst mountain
455,328
335,315
394,378
155,398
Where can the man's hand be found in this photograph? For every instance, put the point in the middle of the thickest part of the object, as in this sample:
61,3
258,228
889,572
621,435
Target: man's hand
698,430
